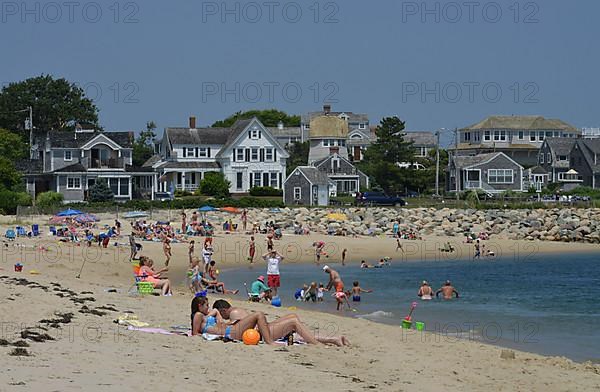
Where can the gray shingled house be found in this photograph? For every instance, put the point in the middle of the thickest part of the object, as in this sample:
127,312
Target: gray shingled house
555,157
492,173
346,177
585,160
308,186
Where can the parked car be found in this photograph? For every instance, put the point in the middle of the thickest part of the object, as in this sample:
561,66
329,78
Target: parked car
163,196
380,198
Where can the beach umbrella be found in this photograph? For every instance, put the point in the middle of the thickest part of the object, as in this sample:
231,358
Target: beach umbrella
86,218
69,212
207,209
337,216
135,214
232,210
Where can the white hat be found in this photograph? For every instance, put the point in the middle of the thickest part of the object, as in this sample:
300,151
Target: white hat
325,268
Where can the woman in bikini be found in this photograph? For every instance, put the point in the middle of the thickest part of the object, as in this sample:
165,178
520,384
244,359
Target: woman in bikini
149,275
205,320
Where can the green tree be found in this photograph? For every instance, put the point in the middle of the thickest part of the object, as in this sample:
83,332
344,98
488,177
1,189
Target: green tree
10,178
143,148
381,158
12,146
57,104
298,155
214,184
100,191
269,118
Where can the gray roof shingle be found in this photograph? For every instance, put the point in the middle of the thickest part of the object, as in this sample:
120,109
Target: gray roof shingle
420,138
560,145
466,161
70,139
198,135
315,176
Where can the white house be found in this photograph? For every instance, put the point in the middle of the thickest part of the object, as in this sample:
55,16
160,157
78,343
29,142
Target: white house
247,154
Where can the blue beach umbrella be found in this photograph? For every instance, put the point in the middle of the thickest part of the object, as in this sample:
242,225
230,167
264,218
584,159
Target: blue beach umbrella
69,212
206,209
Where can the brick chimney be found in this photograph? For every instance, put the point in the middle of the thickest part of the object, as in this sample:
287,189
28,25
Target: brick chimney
327,108
192,122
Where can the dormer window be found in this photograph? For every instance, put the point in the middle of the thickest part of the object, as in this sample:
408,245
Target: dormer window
362,126
255,134
202,152
68,155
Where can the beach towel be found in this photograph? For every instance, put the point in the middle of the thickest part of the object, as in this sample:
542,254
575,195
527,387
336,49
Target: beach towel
159,331
131,320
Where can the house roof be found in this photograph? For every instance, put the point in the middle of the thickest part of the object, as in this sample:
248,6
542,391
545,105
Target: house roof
522,123
313,175
537,170
30,166
198,135
352,117
560,145
64,139
328,127
138,169
589,148
152,160
74,168
285,132
420,138
188,165
468,161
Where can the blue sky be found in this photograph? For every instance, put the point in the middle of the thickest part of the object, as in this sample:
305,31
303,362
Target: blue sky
434,64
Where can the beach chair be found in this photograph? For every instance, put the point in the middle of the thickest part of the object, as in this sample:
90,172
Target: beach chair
142,287
10,234
21,232
35,230
52,230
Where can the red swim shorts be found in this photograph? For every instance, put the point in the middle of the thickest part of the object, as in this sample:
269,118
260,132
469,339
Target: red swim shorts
273,281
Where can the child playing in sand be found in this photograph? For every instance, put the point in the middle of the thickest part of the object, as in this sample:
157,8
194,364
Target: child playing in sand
320,292
191,250
356,290
167,249
344,256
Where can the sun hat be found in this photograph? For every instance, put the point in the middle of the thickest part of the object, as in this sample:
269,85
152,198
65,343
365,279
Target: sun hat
425,282
325,268
261,278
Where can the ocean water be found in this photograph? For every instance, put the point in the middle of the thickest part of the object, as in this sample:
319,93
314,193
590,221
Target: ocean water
547,304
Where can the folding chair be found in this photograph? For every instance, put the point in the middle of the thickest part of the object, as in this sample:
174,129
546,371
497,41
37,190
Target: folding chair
35,230
10,234
141,285
21,231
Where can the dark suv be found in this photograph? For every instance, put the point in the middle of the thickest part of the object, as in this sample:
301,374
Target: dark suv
379,198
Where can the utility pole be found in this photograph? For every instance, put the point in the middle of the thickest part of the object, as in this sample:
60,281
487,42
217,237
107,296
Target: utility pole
437,164
30,125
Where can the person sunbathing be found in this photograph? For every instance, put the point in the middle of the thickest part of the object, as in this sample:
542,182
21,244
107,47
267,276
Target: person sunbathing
205,320
218,286
149,275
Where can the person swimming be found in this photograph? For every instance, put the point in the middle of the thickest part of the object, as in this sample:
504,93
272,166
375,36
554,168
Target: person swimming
425,291
356,290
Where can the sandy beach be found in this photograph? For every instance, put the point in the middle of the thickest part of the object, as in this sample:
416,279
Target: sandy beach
91,352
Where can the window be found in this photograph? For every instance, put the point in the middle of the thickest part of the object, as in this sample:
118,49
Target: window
549,134
239,181
124,187
549,158
499,136
190,152
563,158
203,152
541,136
467,136
257,179
254,154
273,182
342,143
68,155
556,134
532,136
119,186
356,136
486,136
297,193
268,154
239,155
422,151
73,182
306,127
476,136
542,158
254,134
500,176
362,126
326,143
521,135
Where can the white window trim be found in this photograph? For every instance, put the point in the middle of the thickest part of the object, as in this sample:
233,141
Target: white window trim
74,187
269,154
252,149
240,155
257,175
297,193
362,126
273,179
254,134
70,155
487,136
202,152
521,135
548,158
542,158
512,181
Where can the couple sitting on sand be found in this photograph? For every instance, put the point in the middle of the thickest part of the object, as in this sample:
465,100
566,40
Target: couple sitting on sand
211,321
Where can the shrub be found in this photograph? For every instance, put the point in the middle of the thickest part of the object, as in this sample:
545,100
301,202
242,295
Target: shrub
265,191
9,200
182,193
49,200
100,192
214,184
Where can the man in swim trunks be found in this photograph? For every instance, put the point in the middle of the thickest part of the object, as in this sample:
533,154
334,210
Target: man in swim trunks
229,312
425,292
447,290
334,280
